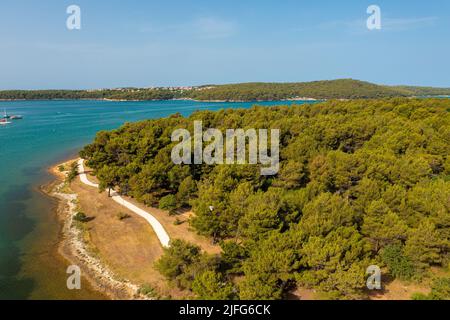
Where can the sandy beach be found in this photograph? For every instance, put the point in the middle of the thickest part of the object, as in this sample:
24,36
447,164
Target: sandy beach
117,256
75,249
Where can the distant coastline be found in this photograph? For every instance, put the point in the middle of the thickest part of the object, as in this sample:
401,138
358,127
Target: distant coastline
348,89
213,101
174,99
193,100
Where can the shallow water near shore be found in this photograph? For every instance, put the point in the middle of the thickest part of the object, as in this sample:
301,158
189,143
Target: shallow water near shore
50,132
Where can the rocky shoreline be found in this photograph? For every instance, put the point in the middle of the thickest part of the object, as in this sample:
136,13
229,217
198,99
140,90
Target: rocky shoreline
74,248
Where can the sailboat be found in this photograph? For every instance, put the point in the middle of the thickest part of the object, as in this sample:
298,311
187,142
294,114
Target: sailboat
5,115
13,117
4,120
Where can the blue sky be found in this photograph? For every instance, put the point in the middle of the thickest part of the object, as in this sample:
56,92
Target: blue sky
151,43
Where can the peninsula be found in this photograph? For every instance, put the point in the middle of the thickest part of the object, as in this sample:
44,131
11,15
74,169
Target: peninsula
254,91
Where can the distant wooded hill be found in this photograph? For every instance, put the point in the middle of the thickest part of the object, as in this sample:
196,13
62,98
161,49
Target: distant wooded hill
257,91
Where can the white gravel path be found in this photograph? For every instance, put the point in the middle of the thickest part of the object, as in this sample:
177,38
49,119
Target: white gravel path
156,225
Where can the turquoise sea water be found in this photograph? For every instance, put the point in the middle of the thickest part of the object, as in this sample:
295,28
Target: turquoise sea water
52,131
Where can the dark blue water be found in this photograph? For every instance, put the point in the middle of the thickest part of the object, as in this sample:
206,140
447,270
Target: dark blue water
52,131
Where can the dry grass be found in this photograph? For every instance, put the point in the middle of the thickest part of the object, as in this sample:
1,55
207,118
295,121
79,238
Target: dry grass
129,246
179,231
301,293
399,290
175,231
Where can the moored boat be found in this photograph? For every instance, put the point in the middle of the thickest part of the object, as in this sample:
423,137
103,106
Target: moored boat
5,115
11,117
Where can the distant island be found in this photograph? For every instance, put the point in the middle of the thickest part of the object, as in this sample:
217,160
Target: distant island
256,91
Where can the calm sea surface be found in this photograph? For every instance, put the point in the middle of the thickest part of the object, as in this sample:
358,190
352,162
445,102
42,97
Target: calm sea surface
52,131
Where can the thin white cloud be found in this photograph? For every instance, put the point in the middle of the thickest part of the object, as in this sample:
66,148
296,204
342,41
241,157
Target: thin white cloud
401,24
201,28
159,29
213,28
387,24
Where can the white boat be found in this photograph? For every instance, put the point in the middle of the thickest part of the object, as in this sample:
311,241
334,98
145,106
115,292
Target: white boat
6,116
